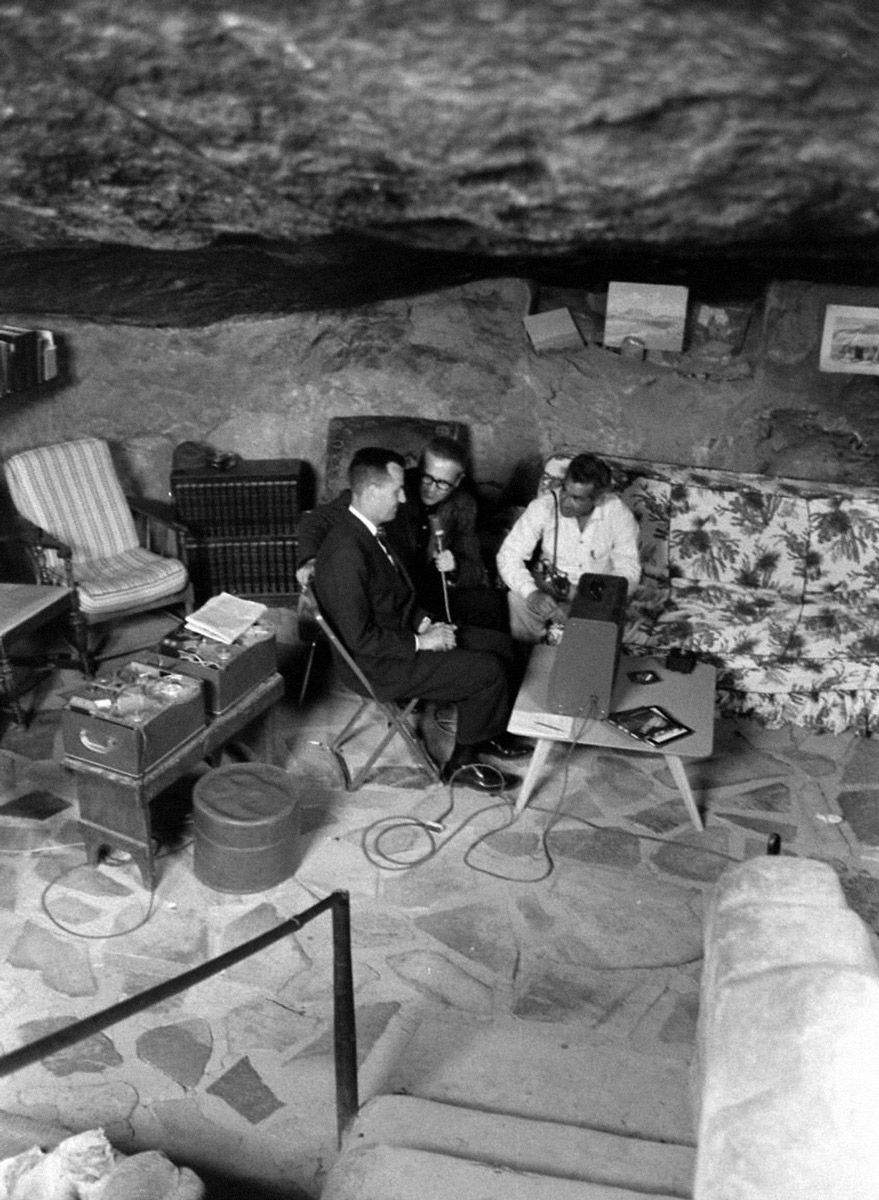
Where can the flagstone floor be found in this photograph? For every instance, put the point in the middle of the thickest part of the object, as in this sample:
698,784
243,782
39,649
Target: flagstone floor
546,965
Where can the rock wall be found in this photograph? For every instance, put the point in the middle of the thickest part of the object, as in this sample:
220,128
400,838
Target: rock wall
747,393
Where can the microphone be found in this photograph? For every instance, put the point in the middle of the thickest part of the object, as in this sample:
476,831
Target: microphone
438,535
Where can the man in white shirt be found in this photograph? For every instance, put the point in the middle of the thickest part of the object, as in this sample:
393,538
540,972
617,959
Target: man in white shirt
580,527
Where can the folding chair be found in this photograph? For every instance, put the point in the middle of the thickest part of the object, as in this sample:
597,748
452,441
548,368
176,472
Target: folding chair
396,714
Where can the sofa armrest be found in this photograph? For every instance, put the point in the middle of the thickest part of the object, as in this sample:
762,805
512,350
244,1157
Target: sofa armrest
788,1039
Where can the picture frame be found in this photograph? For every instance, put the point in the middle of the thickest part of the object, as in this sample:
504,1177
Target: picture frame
850,340
649,723
652,315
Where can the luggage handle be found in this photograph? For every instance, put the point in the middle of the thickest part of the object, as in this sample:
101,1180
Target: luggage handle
97,747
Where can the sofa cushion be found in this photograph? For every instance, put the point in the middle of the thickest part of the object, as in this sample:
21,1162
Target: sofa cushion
731,623
788,1039
845,634
843,552
648,495
743,535
791,1087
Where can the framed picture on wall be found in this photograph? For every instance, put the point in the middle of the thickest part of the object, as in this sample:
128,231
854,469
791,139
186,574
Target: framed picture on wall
850,341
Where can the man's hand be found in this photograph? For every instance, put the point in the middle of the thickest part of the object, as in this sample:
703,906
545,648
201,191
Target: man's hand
437,636
445,562
543,606
305,574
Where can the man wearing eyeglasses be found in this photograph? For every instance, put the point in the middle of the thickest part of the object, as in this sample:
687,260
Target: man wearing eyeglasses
435,536
577,527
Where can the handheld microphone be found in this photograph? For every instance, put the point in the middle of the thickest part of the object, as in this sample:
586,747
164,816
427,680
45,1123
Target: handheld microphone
438,538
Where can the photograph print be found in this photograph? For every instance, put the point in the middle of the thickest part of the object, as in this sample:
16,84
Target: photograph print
850,341
650,723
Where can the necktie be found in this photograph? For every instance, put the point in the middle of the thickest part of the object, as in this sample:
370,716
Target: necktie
383,542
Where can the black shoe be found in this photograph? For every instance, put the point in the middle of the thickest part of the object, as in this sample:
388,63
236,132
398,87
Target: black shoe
506,745
480,777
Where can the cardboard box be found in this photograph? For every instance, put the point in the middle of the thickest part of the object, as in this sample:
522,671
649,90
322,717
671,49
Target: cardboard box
228,672
553,330
130,721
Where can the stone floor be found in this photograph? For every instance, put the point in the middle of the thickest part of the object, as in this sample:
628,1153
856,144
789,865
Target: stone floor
546,966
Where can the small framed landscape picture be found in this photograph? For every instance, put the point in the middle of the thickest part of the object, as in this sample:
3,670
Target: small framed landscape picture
649,723
850,341
653,314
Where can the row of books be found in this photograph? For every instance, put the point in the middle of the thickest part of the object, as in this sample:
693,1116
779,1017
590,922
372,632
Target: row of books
211,507
247,565
28,358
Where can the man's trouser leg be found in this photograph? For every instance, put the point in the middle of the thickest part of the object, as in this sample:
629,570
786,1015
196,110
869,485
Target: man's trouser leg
476,681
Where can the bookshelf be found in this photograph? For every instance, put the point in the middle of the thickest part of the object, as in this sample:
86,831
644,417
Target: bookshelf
240,527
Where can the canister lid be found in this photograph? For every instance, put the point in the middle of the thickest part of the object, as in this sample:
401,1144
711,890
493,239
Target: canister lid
246,792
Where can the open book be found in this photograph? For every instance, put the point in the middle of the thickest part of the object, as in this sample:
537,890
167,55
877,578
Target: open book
224,617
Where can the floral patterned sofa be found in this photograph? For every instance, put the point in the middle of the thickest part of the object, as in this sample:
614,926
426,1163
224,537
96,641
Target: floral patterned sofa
773,581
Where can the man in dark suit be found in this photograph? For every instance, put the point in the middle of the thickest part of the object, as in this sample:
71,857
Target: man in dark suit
366,594
434,534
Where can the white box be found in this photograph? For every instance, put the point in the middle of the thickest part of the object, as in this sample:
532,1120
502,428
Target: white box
553,330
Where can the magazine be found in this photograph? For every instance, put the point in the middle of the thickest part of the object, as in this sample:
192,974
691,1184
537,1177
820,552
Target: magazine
225,617
649,723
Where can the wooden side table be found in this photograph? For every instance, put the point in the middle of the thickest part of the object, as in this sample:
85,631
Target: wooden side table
25,607
690,699
114,809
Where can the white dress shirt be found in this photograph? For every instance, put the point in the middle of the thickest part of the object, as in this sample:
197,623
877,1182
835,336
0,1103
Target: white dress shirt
607,544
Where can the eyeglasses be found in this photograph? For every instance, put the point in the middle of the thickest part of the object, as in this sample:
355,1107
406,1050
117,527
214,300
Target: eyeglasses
441,485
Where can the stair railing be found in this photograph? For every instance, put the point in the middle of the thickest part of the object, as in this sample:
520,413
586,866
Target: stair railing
344,1028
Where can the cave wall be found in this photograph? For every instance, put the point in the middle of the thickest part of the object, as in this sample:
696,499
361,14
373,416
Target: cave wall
746,395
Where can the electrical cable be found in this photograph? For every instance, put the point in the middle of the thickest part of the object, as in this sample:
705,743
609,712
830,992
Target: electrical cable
157,854
374,834
95,937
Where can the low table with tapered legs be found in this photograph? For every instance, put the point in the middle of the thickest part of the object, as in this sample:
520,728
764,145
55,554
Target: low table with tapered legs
689,698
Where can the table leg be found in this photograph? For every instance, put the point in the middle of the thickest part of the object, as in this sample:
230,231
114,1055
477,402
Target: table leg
535,766
679,775
116,815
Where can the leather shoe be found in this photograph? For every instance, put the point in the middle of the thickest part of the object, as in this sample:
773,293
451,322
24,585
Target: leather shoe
506,745
480,777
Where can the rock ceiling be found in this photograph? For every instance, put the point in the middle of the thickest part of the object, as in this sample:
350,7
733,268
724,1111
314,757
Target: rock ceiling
660,139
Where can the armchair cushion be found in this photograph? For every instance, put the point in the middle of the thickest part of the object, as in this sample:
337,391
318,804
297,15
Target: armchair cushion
71,490
132,580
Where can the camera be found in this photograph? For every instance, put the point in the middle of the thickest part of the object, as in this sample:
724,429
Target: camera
556,582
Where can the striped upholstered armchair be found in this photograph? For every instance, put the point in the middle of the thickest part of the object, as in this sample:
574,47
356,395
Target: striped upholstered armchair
79,530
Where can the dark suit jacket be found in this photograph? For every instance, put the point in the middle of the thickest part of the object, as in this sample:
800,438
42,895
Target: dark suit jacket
370,604
410,535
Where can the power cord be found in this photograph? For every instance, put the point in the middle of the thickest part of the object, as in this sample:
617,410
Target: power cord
98,937
374,834
94,937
